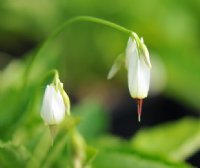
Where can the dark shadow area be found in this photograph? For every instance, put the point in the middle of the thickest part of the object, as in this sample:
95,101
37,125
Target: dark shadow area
156,110
16,45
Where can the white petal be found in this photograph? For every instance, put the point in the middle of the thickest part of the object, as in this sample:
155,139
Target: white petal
66,101
65,97
145,53
116,66
138,72
53,108
131,46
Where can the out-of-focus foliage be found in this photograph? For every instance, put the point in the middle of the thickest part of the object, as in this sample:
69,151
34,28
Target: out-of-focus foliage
90,118
111,151
170,29
83,54
176,140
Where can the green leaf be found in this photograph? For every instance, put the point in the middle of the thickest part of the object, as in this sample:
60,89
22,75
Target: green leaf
68,143
94,120
56,151
12,155
41,150
175,140
116,152
91,154
126,160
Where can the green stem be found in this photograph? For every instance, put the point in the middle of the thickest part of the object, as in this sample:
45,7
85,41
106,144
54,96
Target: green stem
66,24
53,73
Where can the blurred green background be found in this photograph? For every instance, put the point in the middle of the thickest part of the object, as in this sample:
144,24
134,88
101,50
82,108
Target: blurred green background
83,54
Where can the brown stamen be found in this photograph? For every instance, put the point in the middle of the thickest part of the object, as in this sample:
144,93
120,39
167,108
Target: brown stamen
139,108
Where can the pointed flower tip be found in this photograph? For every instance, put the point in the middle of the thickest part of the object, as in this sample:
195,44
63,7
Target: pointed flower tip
139,118
139,108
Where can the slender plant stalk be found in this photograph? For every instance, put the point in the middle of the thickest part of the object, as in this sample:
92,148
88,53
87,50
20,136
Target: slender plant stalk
62,28
75,162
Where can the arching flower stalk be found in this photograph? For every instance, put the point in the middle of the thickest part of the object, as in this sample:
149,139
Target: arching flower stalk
138,65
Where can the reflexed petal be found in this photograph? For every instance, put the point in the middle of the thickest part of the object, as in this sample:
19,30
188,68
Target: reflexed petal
116,66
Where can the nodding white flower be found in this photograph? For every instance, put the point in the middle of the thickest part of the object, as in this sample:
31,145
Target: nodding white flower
138,70
53,106
138,66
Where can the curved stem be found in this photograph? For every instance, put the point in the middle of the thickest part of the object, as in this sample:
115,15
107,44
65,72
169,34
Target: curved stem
53,72
99,21
66,24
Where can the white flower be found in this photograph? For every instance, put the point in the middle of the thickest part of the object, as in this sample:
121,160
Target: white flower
138,66
53,106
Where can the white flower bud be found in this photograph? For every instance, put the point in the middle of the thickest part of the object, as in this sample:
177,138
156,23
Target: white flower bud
53,106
